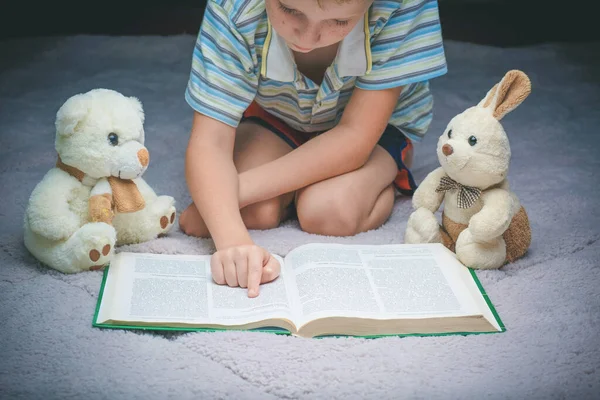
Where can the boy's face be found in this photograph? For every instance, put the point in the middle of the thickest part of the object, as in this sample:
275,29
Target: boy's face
306,25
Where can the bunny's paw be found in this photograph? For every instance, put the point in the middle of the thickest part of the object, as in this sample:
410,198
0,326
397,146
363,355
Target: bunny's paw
422,227
480,255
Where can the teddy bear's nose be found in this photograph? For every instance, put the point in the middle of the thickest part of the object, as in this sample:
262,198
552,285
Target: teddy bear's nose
143,156
447,149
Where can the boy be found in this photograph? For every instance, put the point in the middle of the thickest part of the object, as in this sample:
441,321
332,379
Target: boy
310,103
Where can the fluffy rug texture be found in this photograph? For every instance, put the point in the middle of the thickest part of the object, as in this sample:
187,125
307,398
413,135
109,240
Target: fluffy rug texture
549,300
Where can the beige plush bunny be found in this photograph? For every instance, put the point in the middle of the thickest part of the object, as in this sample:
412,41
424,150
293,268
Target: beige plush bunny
483,220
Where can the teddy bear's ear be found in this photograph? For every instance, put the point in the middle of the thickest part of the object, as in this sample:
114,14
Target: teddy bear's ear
71,114
137,105
506,95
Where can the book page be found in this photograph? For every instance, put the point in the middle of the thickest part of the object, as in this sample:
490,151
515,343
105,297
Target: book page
160,288
331,280
412,282
180,289
385,281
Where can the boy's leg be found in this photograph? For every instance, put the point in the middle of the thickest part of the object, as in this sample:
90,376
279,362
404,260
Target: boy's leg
254,145
258,145
350,203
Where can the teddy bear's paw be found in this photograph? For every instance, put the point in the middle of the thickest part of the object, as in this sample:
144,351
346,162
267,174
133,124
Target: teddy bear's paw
422,227
166,222
94,245
164,209
476,255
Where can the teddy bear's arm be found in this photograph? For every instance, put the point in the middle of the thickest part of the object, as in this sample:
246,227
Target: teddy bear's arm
48,212
495,215
425,196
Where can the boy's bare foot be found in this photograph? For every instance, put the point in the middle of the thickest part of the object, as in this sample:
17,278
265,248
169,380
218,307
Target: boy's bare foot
264,215
191,222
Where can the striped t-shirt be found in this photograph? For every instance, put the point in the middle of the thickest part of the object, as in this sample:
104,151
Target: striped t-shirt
239,58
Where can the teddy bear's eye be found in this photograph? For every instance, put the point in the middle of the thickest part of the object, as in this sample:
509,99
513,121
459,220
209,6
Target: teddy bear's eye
472,140
449,133
113,138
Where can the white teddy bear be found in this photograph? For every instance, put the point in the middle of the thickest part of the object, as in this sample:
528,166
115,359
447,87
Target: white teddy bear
95,197
483,220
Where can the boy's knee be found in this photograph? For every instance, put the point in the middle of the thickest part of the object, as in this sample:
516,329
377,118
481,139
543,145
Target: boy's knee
329,215
264,215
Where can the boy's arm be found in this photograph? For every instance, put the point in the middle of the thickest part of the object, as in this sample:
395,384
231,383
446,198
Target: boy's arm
342,149
213,184
213,180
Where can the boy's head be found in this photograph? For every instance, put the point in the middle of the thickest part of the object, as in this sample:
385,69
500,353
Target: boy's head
306,25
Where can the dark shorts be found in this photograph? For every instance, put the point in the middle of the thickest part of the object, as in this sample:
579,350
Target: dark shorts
392,140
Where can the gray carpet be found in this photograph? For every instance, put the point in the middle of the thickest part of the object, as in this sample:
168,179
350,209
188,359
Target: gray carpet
549,300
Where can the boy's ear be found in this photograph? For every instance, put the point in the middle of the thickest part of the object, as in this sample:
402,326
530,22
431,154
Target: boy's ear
71,114
506,95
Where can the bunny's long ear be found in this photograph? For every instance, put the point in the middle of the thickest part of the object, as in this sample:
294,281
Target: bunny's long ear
506,95
487,100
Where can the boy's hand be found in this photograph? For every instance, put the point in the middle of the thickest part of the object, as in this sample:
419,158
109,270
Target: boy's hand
244,266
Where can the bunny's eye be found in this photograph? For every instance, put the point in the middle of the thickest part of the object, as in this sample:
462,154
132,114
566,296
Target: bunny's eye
113,138
449,133
472,140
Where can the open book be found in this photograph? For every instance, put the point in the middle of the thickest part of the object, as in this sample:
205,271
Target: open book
323,289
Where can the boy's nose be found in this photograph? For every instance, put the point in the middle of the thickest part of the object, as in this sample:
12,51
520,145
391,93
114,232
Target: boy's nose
308,38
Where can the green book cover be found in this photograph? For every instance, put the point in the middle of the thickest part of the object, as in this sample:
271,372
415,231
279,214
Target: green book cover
276,330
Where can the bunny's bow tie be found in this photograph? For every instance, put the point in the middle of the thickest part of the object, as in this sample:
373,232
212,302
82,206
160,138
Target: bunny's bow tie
466,196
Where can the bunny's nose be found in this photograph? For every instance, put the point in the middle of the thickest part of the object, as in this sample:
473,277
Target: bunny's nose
143,156
447,149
